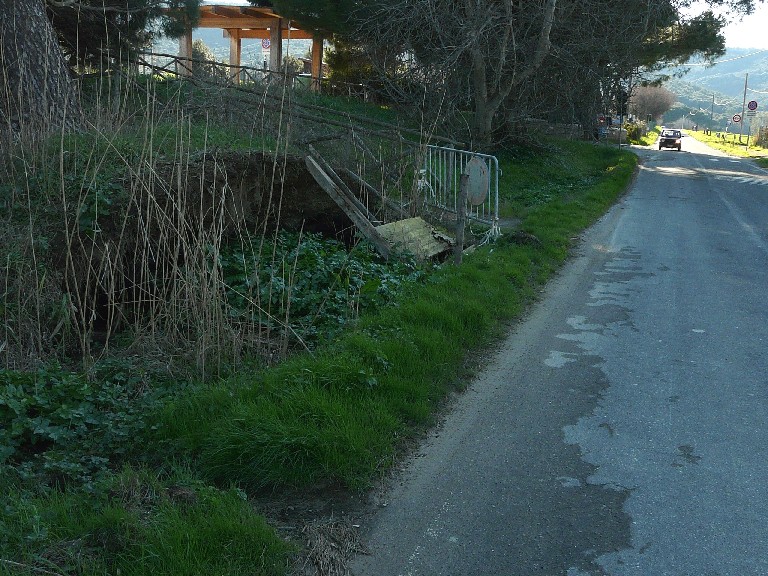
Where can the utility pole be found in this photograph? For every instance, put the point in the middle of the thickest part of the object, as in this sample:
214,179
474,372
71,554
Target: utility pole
712,112
743,107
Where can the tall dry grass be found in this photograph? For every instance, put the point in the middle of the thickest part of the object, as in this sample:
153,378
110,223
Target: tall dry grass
111,237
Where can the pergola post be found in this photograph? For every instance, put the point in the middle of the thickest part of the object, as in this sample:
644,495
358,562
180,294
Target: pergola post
276,45
183,64
235,50
317,63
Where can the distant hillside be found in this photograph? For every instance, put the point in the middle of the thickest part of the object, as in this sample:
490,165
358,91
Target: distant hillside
723,82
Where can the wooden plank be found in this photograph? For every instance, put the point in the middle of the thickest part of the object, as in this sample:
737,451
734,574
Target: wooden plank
360,221
289,34
388,202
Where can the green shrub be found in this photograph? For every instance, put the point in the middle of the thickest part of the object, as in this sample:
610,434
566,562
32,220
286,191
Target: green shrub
634,131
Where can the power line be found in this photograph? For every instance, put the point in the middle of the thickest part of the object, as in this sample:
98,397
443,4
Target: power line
724,61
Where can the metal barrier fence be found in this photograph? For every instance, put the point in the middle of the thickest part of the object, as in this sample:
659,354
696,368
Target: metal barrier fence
439,182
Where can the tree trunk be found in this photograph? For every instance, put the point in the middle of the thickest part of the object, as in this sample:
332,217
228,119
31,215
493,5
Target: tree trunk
486,100
37,93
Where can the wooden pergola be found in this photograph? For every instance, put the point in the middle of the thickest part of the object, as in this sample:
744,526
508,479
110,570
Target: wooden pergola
248,21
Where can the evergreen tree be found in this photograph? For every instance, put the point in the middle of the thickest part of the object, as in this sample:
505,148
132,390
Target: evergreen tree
100,32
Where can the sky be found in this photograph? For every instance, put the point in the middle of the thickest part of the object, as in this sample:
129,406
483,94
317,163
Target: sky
752,32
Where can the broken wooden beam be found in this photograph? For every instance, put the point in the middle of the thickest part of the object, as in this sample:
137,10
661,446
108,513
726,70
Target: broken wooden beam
349,206
328,169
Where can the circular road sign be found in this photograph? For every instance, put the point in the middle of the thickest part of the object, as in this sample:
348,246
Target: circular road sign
736,118
477,180
752,105
265,43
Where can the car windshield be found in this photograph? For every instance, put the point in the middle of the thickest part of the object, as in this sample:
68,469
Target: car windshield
671,133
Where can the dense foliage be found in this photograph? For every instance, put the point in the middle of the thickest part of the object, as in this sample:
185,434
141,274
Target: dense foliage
310,285
96,34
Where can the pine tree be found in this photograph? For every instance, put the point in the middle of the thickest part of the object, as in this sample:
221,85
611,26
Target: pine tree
37,91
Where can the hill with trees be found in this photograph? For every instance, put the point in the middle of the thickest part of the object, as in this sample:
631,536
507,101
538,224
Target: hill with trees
716,91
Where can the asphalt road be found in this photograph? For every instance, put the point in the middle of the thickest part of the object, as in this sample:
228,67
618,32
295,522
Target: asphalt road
622,429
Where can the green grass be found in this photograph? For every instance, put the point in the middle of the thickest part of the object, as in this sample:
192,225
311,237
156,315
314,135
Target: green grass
143,526
730,143
533,177
648,138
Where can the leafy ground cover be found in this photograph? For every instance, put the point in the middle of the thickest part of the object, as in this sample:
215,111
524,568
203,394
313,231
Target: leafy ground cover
123,469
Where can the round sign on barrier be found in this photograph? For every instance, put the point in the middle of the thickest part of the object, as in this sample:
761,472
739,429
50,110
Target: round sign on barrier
752,105
478,181
736,118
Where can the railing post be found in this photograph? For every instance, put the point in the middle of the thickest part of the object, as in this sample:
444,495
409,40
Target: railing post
461,219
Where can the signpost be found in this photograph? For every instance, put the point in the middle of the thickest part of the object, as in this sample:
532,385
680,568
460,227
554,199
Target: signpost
743,108
265,44
751,112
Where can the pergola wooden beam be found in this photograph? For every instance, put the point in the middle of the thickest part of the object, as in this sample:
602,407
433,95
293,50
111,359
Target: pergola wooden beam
228,11
317,62
241,23
292,34
185,52
276,47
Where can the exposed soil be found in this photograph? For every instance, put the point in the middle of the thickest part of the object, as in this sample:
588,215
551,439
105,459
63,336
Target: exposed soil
259,190
324,523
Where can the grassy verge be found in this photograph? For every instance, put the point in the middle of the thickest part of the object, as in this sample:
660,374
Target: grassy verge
338,415
137,524
730,143
649,137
